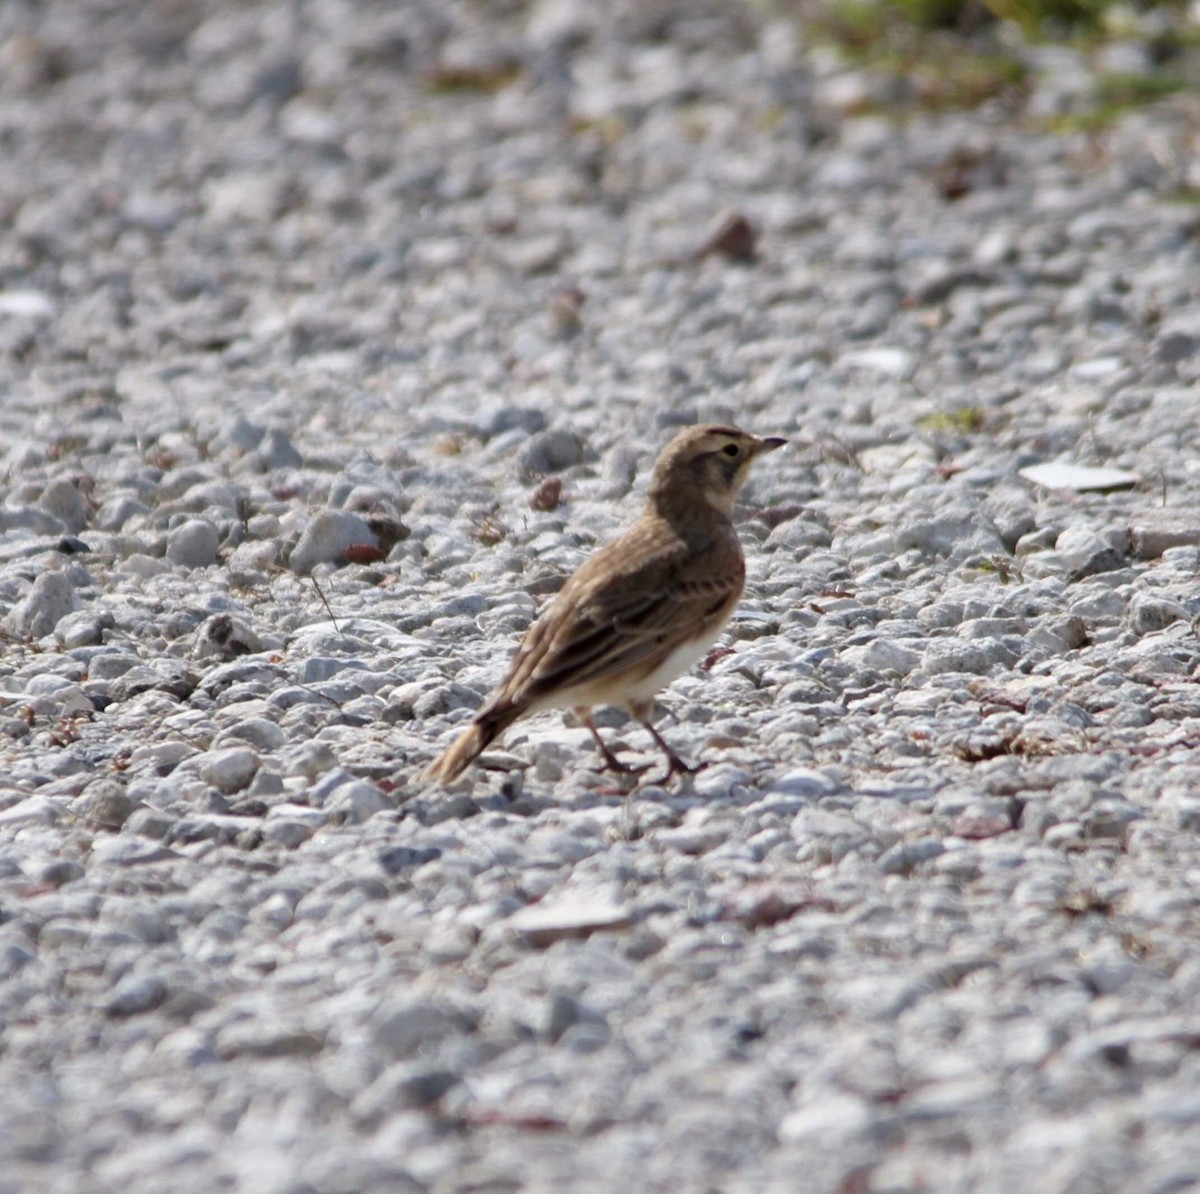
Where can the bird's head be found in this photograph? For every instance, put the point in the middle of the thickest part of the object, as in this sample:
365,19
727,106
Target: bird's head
706,465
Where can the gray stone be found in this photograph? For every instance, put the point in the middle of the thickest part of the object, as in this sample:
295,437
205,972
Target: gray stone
271,1038
496,418
262,734
356,802
1149,612
882,655
405,1084
241,433
574,914
193,544
318,668
151,822
136,994
805,782
50,600
329,535
399,859
117,511
229,770
904,857
226,637
276,450
1085,553
978,656
308,759
550,452
1060,475
1148,541
14,955
1173,347
289,832
952,533
84,628
414,1027
64,501
57,872
28,518
104,805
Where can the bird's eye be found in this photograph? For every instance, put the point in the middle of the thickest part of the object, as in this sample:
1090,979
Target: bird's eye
730,449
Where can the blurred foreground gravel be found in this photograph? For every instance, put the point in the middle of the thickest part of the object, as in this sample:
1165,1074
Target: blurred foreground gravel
332,335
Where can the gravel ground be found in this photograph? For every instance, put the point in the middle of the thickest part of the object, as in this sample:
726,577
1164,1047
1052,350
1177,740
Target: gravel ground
332,335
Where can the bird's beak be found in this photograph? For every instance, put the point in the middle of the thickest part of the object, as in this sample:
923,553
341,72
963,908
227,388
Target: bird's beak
769,444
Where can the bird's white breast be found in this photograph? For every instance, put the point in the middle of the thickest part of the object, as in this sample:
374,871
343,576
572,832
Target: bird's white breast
679,661
617,690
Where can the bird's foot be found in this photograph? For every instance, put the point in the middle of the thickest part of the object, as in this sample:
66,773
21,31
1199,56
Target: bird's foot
676,766
612,763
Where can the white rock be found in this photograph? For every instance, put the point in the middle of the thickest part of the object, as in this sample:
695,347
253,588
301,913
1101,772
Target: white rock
1060,475
117,511
412,1027
226,637
883,655
144,567
977,656
832,1118
134,994
56,696
260,732
160,757
288,832
66,503
229,770
804,781
27,304
51,599
898,363
277,450
1097,368
1149,612
33,810
570,914
193,544
327,538
357,802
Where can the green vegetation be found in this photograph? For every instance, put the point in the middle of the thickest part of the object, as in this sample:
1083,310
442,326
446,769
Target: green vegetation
1037,19
945,52
1117,94
488,79
966,420
961,53
1121,90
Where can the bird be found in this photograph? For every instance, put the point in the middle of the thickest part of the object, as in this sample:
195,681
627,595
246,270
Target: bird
639,612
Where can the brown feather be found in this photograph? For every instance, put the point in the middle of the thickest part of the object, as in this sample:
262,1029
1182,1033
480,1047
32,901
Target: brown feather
672,579
468,746
634,601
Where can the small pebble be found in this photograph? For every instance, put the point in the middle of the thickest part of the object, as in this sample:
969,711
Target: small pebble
193,544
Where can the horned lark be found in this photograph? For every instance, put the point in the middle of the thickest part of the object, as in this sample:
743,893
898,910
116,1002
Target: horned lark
639,612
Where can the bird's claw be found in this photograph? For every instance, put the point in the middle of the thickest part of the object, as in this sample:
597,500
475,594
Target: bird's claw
615,764
676,766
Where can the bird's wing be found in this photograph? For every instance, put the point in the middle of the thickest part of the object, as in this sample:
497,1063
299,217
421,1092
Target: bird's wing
630,604
608,640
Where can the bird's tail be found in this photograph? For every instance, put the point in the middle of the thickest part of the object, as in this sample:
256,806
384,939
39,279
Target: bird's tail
468,746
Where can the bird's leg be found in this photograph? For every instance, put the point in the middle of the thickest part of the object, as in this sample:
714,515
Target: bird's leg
675,765
611,762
